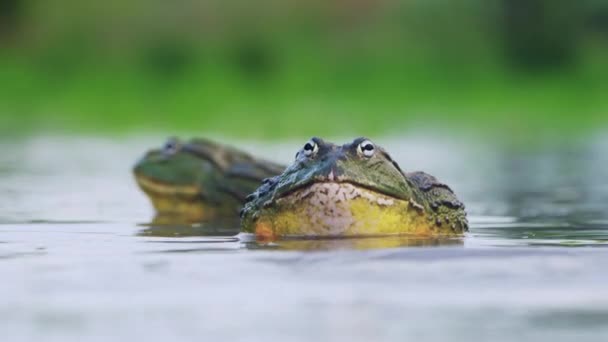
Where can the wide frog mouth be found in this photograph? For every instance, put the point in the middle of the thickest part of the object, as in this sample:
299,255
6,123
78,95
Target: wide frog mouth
326,185
153,186
331,192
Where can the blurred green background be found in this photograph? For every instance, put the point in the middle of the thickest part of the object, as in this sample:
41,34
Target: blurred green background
517,69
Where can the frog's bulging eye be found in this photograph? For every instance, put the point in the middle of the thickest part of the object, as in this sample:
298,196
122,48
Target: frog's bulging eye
171,146
310,148
366,148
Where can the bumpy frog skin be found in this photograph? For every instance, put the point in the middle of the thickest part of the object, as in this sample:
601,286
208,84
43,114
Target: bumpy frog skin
351,190
200,180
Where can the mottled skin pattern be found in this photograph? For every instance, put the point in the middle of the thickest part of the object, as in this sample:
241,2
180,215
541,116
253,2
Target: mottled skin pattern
200,180
351,190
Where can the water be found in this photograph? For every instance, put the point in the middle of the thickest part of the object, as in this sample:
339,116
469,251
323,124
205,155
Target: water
78,262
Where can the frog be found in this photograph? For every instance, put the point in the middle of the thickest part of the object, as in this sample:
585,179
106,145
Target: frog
351,190
200,180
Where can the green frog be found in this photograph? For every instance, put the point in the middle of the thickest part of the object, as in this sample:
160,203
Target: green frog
355,189
200,180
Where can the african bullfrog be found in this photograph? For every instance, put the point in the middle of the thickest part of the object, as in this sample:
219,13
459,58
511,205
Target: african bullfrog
355,189
199,180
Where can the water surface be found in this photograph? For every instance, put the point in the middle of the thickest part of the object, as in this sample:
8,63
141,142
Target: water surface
80,263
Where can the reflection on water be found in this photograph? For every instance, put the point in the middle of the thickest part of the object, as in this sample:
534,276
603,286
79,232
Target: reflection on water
171,226
354,243
81,266
485,232
544,234
223,231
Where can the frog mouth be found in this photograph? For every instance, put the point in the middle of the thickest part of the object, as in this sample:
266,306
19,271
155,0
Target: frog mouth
344,189
335,192
156,187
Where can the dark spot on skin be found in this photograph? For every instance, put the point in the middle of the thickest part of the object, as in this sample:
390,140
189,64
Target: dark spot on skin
464,224
307,195
266,180
250,197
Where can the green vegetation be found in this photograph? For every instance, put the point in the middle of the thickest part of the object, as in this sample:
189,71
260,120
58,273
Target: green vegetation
389,69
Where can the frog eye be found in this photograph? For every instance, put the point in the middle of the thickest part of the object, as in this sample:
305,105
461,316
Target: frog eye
366,148
171,146
310,148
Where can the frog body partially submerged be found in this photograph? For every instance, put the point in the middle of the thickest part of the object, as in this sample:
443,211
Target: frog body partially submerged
200,180
355,189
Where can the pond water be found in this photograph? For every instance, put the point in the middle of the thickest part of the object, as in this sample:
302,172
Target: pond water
79,263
